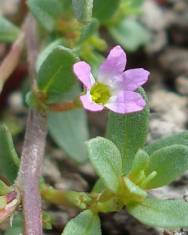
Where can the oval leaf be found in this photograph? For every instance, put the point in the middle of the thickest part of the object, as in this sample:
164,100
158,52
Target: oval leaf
180,138
86,223
169,214
129,133
55,75
140,163
47,12
9,161
69,129
169,163
126,33
106,159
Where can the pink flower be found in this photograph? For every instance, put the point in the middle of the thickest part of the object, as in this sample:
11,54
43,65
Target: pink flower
114,88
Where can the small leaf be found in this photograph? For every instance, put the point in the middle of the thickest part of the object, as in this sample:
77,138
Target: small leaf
9,161
169,163
70,129
129,133
104,10
55,75
132,191
169,214
8,31
86,223
106,159
180,138
47,12
140,162
83,9
126,33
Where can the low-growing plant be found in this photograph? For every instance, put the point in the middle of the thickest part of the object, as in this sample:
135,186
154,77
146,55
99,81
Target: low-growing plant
127,167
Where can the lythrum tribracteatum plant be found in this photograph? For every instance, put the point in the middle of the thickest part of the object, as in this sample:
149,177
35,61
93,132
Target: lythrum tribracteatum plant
126,166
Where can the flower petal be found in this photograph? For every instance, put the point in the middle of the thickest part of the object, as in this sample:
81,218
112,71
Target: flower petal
82,71
114,63
126,102
134,78
89,104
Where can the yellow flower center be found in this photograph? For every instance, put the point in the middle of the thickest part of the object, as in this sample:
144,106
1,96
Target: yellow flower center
100,93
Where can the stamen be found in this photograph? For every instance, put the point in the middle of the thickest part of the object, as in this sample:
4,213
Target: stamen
100,93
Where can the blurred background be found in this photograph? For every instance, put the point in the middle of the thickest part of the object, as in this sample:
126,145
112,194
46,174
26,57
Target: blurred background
154,34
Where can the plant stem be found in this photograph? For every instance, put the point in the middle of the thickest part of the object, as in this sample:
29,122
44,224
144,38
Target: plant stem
34,144
11,60
30,171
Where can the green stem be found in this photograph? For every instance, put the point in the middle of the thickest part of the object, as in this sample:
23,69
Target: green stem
98,202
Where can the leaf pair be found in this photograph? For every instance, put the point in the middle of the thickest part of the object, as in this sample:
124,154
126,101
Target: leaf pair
169,163
161,163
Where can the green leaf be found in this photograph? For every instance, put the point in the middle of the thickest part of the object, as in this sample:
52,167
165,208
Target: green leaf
104,10
70,130
9,162
83,9
46,51
169,214
140,162
8,31
86,223
133,192
106,159
129,133
126,33
180,138
4,188
55,75
169,163
47,12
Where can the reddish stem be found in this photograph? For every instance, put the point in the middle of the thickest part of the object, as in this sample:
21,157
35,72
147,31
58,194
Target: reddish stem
34,144
62,107
30,171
